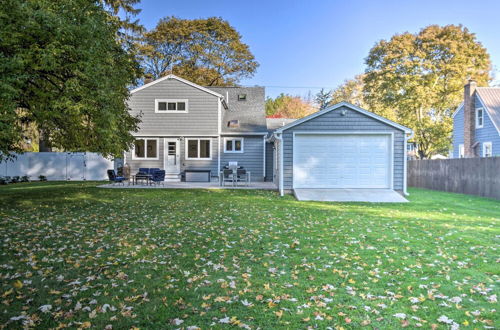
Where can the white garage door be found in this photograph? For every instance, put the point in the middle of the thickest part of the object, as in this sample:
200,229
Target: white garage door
342,161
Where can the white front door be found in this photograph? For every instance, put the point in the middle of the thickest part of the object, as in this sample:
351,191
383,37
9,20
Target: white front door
172,156
342,161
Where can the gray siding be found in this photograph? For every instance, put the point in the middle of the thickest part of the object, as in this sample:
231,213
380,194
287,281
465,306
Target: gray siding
334,121
458,131
252,158
201,119
269,161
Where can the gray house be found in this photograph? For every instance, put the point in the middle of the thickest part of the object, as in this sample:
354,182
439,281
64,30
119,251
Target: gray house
341,147
476,123
186,127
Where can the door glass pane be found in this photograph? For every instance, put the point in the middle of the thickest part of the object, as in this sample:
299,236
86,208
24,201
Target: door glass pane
237,145
139,148
171,148
193,148
181,106
152,148
171,105
204,148
229,145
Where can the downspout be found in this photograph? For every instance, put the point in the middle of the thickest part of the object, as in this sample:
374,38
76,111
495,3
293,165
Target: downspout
219,128
405,163
279,137
264,161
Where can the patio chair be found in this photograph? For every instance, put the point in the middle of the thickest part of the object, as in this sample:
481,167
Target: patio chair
227,176
115,179
158,177
242,176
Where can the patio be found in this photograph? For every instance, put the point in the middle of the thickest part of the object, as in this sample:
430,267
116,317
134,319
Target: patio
193,185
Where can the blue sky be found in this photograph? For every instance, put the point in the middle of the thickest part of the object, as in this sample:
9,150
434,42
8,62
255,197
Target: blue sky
313,44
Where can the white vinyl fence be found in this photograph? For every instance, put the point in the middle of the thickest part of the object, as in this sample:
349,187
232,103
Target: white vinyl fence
75,166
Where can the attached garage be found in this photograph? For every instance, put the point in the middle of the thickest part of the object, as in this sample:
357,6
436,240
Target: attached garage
342,160
342,147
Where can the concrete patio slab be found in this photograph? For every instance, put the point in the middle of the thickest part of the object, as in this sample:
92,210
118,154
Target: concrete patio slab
192,185
349,195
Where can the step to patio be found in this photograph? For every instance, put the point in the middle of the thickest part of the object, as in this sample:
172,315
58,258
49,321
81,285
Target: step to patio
172,178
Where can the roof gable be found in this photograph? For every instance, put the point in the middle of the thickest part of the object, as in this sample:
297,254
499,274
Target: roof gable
171,76
350,106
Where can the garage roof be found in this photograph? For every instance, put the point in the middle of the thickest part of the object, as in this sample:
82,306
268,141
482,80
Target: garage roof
350,106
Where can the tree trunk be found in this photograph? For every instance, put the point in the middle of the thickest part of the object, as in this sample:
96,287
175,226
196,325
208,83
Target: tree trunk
44,142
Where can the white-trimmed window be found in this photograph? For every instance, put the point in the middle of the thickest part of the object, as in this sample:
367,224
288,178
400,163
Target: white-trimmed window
233,145
145,149
487,149
461,152
198,149
171,105
479,117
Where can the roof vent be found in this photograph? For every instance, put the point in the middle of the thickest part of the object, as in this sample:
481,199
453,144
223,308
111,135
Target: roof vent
242,97
233,123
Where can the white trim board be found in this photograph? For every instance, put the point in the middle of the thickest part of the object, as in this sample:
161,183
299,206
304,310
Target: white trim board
390,146
171,76
350,106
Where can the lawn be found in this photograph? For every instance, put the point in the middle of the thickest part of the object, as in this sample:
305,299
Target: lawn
73,255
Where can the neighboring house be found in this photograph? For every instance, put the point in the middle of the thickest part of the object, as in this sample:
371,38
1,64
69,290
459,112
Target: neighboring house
342,146
185,126
476,123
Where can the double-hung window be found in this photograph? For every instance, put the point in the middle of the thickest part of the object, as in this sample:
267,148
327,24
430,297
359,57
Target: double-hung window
487,149
479,117
145,149
198,149
171,106
233,145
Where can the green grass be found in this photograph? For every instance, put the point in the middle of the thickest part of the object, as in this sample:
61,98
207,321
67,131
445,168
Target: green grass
153,258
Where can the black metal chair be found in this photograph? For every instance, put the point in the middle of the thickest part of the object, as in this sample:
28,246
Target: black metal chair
158,177
114,178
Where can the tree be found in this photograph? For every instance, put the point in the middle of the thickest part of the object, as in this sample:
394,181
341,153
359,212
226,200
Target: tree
208,51
323,98
286,106
350,91
417,79
63,70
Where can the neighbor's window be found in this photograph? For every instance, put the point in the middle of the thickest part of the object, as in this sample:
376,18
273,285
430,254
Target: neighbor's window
461,153
171,106
242,97
145,149
233,145
198,148
487,149
479,117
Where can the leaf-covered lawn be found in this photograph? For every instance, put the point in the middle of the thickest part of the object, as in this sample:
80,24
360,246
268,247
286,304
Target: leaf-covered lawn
73,255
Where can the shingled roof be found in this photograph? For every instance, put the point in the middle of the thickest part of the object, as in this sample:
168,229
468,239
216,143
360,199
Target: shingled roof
250,113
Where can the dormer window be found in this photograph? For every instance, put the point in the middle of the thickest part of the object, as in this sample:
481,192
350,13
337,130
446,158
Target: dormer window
242,97
171,106
233,123
479,117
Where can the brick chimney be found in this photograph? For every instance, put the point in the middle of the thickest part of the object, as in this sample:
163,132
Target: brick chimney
469,118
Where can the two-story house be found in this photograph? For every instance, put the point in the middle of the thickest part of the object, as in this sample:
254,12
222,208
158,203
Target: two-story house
476,123
185,126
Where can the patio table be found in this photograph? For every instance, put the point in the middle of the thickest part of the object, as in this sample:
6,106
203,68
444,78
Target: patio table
137,177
